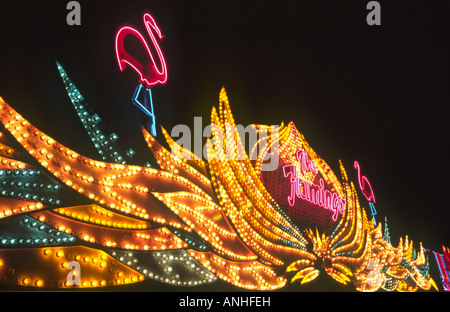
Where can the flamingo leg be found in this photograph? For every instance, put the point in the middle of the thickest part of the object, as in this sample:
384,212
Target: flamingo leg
146,107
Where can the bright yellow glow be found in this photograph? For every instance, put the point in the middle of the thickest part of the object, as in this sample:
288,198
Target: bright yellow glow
222,200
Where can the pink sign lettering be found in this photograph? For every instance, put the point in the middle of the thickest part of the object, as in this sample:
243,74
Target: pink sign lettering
313,193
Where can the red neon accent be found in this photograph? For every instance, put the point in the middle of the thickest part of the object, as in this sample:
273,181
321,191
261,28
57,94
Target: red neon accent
364,184
149,73
310,192
446,253
443,269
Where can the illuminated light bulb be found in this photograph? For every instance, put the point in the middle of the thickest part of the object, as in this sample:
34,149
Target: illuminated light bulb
252,227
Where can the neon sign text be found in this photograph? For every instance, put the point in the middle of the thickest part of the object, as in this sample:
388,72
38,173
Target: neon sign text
315,194
306,164
149,73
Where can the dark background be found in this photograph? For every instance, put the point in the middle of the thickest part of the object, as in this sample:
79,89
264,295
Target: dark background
376,94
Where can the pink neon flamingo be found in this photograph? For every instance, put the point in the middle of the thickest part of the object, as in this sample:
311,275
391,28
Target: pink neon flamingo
149,73
364,184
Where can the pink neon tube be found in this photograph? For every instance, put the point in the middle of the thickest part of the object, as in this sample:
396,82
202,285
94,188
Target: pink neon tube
149,74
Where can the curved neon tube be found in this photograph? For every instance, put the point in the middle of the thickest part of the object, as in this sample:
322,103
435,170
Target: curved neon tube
364,184
315,194
149,74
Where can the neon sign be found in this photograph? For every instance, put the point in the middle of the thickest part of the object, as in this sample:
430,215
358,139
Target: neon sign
146,107
443,262
364,184
149,73
367,190
373,212
313,193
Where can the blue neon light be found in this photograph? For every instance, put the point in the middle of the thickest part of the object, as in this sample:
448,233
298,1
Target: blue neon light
148,104
373,212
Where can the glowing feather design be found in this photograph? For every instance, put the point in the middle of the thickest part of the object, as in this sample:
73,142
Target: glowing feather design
215,217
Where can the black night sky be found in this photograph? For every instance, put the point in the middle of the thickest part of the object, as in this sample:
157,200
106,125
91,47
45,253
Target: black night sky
376,94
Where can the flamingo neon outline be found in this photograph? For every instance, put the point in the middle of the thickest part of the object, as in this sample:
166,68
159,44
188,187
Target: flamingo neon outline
149,74
363,183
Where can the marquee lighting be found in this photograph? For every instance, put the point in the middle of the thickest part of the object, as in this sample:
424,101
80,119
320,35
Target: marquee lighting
443,263
195,221
106,142
108,221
